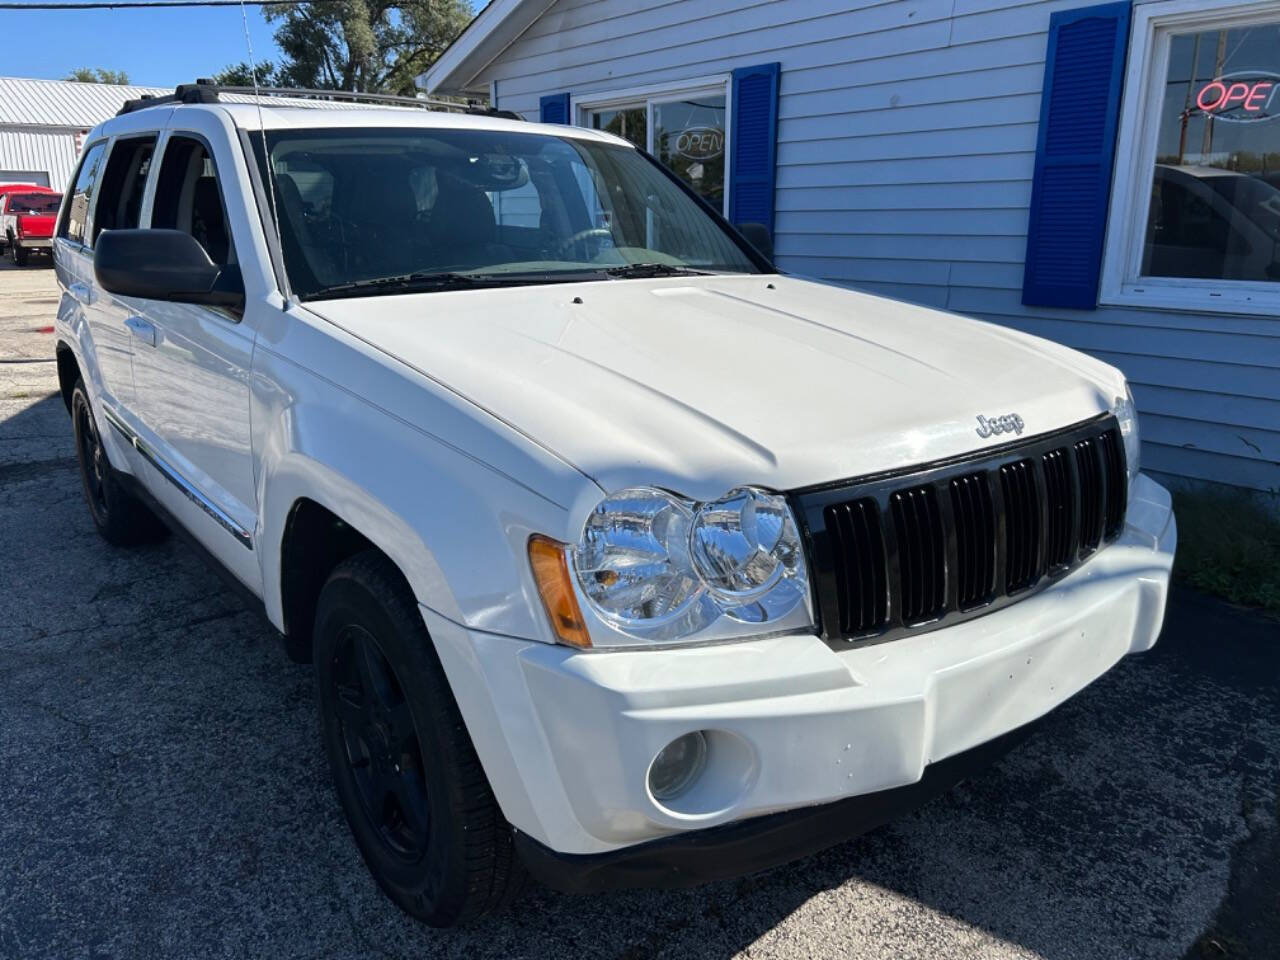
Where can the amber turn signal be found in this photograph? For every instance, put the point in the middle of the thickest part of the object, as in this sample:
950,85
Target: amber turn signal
555,585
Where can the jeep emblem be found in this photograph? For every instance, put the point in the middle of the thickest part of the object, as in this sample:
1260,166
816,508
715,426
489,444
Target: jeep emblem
1009,423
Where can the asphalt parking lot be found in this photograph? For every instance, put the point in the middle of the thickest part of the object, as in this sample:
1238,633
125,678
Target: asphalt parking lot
163,791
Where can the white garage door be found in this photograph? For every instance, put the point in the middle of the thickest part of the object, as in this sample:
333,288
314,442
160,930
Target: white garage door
24,176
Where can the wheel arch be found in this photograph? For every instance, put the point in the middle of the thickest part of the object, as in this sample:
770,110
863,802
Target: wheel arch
313,518
314,542
68,371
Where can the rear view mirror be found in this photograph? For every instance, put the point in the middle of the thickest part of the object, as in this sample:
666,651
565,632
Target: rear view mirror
757,234
164,265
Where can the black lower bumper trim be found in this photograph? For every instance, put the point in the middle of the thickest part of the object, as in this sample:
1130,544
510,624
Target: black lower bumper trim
749,846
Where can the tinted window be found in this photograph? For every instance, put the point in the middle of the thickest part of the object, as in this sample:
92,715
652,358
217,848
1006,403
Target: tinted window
77,215
34,202
123,181
188,198
360,206
1215,206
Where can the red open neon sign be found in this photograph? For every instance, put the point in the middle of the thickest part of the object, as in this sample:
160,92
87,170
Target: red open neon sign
1241,97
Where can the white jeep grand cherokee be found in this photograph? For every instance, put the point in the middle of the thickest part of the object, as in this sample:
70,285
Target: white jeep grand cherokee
622,559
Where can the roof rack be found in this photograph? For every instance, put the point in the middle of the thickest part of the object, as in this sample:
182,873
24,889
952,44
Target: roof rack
206,91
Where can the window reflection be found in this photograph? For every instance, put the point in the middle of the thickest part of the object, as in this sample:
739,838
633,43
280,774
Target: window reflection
1215,197
629,123
689,137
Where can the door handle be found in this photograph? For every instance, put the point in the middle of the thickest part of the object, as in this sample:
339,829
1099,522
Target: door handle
144,331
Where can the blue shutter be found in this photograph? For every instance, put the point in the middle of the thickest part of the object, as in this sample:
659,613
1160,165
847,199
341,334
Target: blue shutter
555,108
1075,152
753,144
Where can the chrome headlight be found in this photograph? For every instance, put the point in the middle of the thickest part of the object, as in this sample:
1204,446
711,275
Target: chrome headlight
1126,414
657,567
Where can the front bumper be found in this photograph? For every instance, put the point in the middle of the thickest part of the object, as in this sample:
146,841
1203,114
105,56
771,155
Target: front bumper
566,737
758,843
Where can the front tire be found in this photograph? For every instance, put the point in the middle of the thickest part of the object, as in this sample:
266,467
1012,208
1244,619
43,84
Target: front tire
121,519
405,771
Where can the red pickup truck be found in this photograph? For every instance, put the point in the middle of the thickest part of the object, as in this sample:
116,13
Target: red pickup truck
27,215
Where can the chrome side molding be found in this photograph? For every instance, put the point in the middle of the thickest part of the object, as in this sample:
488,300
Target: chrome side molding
178,480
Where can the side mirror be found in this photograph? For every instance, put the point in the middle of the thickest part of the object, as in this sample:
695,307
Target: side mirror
164,265
757,234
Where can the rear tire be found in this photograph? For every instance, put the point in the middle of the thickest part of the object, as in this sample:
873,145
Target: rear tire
406,773
20,254
121,518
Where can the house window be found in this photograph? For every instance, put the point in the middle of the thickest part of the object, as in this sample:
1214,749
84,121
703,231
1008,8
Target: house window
1195,217
685,127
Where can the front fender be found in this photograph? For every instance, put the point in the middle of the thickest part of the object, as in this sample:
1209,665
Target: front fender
417,481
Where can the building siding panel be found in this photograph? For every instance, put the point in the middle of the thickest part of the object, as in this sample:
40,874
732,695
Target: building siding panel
40,121
63,103
50,151
907,137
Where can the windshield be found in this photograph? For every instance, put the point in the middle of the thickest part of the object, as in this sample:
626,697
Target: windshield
365,211
34,202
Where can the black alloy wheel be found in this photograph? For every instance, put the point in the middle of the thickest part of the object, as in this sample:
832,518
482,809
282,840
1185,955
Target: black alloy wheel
405,770
93,461
120,517
381,745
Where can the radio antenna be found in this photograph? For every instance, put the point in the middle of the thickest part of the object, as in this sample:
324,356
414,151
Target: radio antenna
268,173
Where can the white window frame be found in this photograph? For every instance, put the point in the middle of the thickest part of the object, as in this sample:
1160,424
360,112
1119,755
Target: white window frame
1122,283
582,105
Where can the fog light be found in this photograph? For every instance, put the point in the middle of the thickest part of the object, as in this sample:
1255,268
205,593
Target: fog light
678,764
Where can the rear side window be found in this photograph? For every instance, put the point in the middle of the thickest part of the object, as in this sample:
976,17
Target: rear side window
122,184
77,215
189,198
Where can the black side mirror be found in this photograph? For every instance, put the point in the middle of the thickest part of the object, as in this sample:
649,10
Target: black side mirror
164,265
757,234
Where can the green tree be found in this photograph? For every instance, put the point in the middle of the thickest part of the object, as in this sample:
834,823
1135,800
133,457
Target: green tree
241,75
370,46
98,75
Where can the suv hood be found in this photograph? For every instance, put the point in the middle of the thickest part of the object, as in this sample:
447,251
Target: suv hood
699,384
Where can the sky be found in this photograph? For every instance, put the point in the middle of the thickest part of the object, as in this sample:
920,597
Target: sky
159,48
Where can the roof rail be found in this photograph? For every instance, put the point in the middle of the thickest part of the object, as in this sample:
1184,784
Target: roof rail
206,91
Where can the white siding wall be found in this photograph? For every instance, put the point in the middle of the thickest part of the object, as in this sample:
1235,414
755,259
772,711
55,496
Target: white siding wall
50,150
907,133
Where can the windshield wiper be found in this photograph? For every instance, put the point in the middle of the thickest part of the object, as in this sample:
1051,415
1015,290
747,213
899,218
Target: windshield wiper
639,271
404,282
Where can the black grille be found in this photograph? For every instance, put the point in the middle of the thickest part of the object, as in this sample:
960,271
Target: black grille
859,565
1021,524
919,549
1089,480
922,553
1114,472
1061,503
975,520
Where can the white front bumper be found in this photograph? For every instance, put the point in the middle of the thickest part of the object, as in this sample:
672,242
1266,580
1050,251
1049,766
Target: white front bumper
567,737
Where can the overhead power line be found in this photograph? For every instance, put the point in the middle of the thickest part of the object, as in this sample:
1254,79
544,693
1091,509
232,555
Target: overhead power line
143,4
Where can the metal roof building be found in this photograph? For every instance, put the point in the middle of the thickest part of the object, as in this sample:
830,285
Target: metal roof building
42,123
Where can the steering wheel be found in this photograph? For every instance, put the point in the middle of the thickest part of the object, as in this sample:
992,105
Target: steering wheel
564,246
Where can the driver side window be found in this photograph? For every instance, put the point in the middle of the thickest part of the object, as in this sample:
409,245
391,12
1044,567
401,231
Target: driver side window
189,198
